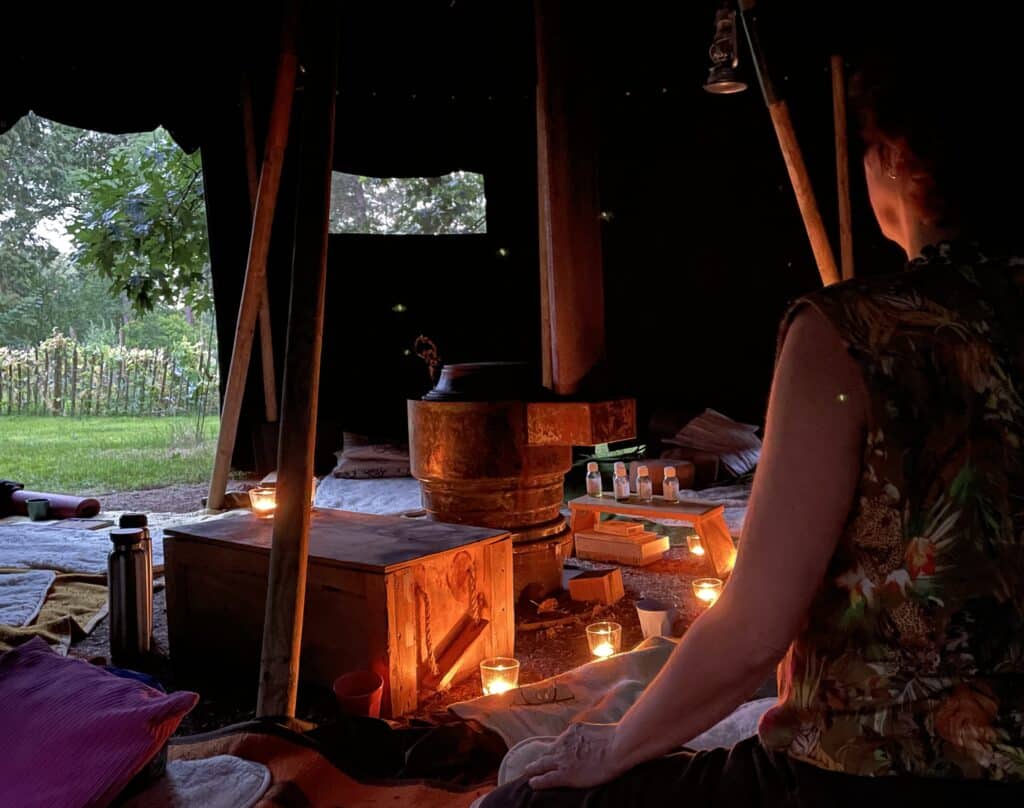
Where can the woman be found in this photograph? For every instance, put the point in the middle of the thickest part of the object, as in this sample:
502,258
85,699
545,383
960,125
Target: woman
882,560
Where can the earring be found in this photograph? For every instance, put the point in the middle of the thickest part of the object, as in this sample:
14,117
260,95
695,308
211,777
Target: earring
891,173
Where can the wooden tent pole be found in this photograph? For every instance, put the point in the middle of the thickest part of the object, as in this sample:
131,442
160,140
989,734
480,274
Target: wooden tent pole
286,587
795,166
266,335
842,166
256,266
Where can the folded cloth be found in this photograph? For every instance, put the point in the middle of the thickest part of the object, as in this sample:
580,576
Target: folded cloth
73,733
22,594
222,781
73,606
358,469
602,692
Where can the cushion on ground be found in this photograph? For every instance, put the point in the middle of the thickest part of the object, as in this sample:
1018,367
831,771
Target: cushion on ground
73,733
222,781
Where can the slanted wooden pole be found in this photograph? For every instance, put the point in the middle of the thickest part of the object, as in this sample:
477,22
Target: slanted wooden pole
791,153
842,166
286,588
568,204
256,267
252,171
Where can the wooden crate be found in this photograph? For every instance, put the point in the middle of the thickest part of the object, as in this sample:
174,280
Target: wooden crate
636,550
374,585
604,586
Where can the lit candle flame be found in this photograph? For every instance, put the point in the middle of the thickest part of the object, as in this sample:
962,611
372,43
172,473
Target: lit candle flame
707,589
498,686
697,549
604,649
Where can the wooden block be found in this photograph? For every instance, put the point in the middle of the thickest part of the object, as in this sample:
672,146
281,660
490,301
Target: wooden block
635,551
714,535
604,586
619,527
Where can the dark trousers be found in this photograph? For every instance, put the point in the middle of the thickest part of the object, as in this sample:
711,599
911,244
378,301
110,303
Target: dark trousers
748,776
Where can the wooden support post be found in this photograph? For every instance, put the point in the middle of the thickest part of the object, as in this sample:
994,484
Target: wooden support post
842,166
256,268
286,587
568,203
266,335
795,166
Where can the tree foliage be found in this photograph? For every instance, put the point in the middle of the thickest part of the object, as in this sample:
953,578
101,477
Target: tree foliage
141,222
451,204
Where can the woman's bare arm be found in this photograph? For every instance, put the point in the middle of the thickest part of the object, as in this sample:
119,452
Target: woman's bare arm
810,465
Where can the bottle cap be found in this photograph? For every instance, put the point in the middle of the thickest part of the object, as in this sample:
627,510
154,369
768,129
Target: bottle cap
133,520
670,471
619,466
591,467
125,536
641,471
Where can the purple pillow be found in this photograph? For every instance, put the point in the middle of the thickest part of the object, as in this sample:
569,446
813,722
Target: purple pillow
73,734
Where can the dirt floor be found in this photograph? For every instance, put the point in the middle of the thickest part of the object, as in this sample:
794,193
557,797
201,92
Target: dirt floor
184,498
542,651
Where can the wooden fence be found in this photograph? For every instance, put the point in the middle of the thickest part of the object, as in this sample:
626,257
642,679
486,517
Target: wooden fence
63,377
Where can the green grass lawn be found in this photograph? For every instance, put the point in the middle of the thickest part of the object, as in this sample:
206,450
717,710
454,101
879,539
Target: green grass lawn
96,455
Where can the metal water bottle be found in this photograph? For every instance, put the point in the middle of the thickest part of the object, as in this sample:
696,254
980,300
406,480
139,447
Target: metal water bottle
130,636
141,521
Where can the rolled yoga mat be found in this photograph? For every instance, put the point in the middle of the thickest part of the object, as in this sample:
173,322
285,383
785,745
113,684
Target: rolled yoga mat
62,506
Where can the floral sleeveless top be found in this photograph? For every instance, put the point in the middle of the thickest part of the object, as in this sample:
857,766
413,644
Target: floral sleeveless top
912,657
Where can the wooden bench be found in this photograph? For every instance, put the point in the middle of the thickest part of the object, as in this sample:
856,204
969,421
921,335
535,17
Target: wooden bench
707,518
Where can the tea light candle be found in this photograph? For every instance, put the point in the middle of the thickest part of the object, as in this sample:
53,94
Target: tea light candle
694,545
263,501
604,639
499,675
707,589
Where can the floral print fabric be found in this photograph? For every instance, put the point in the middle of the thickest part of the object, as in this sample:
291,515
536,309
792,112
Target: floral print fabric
912,657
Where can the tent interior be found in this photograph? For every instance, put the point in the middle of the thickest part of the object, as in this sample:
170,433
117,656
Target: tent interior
700,249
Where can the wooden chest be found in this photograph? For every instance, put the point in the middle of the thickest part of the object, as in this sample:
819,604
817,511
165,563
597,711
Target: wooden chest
417,601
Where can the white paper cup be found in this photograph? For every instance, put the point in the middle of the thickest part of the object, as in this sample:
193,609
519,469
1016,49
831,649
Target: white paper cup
656,618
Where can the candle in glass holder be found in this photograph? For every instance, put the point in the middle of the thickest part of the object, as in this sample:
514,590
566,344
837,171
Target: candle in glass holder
263,501
707,589
694,545
499,675
604,638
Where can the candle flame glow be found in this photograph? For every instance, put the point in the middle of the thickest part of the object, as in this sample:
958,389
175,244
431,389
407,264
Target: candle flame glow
498,686
604,649
698,550
707,589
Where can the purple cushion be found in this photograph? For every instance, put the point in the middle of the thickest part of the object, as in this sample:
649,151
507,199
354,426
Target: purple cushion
74,734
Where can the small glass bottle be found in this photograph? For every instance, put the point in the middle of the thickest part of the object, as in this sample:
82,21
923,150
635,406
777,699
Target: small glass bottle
670,485
593,480
621,485
644,489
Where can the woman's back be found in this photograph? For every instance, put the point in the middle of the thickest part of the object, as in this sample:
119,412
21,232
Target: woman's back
912,659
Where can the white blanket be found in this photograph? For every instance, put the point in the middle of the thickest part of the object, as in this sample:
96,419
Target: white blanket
735,498
602,693
22,595
41,545
223,781
389,496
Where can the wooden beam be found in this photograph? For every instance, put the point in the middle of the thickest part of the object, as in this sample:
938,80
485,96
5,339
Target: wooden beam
842,166
791,153
286,587
568,202
266,335
256,266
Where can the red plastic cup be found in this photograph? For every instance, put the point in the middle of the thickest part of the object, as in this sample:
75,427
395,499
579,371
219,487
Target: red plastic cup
359,693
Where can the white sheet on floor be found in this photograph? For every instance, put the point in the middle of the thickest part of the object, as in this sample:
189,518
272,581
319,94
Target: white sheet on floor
22,595
224,781
390,496
602,692
40,545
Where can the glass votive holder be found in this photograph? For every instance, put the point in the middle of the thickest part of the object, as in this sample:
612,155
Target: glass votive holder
604,639
263,501
707,590
499,675
694,545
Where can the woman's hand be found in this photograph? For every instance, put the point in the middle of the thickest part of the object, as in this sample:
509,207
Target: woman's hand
580,757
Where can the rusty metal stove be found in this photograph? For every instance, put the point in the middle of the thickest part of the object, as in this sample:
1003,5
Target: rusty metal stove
491,449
